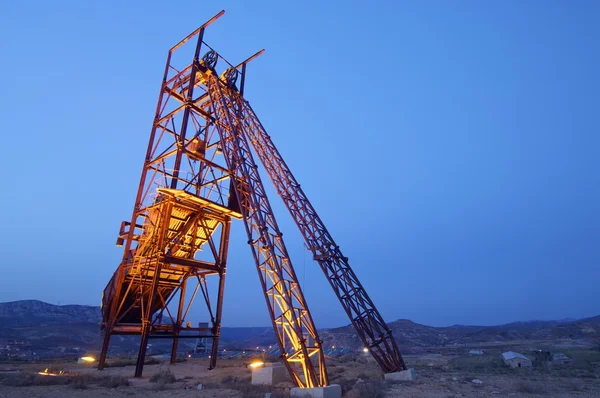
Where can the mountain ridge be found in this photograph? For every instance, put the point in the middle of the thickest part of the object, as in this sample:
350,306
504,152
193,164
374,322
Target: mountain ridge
92,314
48,327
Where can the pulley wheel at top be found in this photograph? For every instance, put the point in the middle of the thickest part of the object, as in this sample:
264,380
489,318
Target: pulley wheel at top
210,59
231,75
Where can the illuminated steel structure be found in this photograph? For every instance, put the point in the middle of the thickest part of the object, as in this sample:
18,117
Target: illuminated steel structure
199,173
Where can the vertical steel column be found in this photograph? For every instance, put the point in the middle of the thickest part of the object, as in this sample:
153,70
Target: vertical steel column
177,326
223,249
104,352
147,314
186,112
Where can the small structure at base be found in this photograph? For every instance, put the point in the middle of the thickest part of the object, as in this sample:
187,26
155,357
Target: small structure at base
560,359
331,391
269,375
476,352
405,375
516,360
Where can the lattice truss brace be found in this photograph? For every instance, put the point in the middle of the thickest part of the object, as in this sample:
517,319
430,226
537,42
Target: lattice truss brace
286,303
198,174
369,324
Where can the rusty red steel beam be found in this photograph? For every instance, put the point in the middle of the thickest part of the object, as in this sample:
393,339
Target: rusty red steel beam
359,307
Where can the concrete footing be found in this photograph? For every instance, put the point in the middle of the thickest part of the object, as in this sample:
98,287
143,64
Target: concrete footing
331,391
269,375
404,375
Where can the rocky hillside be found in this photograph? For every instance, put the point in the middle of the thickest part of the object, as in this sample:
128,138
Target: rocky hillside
32,328
409,334
34,312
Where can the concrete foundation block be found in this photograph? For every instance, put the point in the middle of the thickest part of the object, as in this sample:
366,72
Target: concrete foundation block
331,391
269,375
404,375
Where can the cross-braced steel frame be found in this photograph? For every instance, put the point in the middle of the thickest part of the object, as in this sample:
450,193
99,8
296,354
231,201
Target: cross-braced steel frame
198,174
183,206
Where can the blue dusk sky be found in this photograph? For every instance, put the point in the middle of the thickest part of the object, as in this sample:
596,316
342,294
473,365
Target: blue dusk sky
451,147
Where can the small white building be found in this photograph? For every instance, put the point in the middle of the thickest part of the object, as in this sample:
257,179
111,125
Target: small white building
516,360
560,359
476,352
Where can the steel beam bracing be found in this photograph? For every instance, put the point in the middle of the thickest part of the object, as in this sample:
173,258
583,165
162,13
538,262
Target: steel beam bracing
363,314
178,234
291,319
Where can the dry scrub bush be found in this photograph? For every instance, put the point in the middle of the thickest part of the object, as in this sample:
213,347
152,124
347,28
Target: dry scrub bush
243,385
163,377
368,389
76,382
119,363
530,387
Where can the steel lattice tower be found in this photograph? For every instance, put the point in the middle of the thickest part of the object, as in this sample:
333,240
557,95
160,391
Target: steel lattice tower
199,173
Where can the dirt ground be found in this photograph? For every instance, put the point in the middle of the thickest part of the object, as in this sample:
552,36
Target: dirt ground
437,376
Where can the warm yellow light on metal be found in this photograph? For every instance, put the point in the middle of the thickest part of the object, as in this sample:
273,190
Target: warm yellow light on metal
88,359
256,364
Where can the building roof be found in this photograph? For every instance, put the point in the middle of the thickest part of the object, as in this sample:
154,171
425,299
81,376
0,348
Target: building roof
512,355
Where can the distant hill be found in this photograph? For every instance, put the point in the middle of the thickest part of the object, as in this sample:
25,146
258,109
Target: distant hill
47,329
409,334
32,312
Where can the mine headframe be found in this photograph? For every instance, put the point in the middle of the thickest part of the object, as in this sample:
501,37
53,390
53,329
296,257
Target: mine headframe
199,173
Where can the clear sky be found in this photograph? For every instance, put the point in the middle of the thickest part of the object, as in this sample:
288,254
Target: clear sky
451,147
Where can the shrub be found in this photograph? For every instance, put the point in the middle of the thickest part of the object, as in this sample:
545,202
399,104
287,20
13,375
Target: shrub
163,377
119,363
347,358
344,382
368,389
248,390
369,375
530,387
335,371
24,380
76,381
574,385
229,379
478,363
113,381
78,384
16,380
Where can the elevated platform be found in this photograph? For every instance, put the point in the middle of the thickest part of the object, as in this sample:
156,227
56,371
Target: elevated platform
175,229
